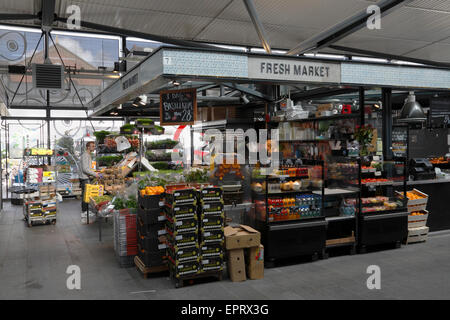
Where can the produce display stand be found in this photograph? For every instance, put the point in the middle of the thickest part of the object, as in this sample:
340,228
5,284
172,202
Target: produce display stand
47,192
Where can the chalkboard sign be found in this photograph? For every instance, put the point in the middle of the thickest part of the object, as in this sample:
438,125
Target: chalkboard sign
440,108
178,107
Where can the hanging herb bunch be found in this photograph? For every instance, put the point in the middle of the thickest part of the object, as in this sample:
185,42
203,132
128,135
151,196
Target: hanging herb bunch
364,135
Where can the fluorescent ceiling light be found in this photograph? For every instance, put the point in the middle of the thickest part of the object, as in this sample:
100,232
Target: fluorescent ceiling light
369,59
20,29
84,35
141,40
230,47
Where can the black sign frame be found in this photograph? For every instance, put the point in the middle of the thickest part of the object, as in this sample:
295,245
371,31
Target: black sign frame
193,92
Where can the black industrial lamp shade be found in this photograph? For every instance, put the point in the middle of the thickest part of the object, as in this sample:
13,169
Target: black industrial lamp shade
412,111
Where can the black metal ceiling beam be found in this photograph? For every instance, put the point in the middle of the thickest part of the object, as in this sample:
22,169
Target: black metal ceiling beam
68,108
142,35
48,13
343,29
61,118
250,6
16,16
248,91
390,56
321,92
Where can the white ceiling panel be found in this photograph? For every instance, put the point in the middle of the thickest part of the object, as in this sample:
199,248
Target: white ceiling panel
443,5
412,24
391,46
304,13
202,8
434,52
161,23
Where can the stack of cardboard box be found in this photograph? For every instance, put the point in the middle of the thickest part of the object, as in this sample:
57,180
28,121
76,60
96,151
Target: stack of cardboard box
245,253
211,218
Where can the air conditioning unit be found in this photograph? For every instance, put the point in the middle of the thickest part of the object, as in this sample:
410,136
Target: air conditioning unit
48,76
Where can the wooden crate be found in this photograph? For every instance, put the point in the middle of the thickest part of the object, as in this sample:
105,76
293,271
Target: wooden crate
418,221
146,271
417,235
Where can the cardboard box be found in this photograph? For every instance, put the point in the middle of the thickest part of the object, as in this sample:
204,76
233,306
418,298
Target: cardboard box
255,262
241,237
236,265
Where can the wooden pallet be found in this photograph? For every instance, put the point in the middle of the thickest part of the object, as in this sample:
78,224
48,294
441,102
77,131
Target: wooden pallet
192,279
146,271
340,241
417,235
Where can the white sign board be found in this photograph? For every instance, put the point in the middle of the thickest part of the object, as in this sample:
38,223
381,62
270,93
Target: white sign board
293,70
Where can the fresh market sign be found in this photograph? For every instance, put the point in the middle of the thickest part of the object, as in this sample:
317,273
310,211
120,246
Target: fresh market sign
293,70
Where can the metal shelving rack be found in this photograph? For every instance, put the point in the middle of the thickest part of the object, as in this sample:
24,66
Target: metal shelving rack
40,159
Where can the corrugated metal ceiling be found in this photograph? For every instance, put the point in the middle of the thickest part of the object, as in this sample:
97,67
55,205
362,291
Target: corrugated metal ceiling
420,29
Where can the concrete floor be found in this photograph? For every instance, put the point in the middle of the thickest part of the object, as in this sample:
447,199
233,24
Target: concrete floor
33,263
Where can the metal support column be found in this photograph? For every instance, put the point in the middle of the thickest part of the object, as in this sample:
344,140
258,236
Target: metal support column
362,103
386,94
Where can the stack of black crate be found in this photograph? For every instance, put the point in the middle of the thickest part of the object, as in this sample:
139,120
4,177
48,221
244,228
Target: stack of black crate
151,230
182,233
211,223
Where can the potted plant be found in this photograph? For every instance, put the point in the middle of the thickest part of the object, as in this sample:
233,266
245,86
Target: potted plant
364,135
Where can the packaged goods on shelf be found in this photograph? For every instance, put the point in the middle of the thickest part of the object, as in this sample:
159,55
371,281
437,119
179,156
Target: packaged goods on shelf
211,263
212,208
211,194
211,249
182,239
212,222
181,269
212,235
177,225
182,196
181,211
183,253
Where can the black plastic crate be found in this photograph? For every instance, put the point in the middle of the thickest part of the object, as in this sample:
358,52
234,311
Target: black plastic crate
181,211
182,239
183,253
212,208
212,222
212,236
184,269
211,263
152,258
151,202
211,249
176,225
151,216
152,242
181,196
211,194
150,229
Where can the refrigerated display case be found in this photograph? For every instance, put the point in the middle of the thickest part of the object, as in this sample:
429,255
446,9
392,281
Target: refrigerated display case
383,218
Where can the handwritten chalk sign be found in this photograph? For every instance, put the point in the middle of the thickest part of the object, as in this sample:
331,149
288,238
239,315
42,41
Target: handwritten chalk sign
178,107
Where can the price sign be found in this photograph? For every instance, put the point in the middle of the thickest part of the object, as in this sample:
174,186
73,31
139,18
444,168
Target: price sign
178,107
